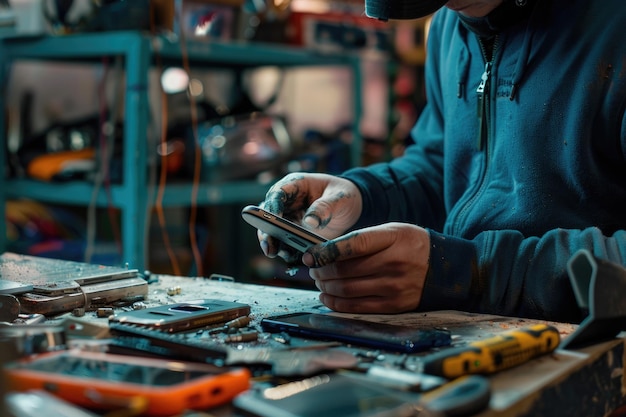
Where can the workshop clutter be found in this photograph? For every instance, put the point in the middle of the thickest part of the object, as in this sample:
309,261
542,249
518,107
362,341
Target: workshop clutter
339,31
32,223
214,345
65,150
253,145
311,24
242,147
231,147
52,231
59,17
341,26
177,351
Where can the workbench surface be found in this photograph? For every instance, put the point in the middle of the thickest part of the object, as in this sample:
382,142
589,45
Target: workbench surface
584,382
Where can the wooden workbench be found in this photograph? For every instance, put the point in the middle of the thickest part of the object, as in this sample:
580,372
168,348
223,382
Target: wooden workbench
585,382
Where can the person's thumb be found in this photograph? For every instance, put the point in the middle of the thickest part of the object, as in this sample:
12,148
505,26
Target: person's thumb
319,214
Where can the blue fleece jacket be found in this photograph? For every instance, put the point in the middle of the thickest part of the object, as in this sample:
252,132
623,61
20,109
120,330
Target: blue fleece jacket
505,213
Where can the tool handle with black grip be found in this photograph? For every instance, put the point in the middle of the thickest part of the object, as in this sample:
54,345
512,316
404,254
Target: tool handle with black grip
491,355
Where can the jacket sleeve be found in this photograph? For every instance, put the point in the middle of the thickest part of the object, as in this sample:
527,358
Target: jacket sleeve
501,272
409,188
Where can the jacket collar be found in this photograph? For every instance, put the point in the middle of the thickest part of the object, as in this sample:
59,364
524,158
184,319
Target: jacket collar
504,16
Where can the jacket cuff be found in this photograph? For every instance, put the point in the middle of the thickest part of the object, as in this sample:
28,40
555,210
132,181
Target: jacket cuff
450,279
373,208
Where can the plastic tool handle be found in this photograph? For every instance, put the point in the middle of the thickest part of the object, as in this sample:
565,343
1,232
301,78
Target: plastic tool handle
500,352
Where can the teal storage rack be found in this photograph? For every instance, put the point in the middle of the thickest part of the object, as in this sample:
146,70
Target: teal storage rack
139,51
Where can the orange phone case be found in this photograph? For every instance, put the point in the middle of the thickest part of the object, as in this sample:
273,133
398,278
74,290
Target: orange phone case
218,386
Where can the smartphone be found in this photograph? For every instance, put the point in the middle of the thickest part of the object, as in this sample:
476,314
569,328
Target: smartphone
334,395
183,316
359,332
282,229
104,381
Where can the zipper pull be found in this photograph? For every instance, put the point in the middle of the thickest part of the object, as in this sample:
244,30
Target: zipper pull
482,104
484,79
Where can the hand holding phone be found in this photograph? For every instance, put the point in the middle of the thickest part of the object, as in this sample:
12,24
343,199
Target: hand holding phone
282,229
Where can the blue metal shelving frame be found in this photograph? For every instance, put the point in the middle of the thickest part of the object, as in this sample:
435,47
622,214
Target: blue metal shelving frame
139,51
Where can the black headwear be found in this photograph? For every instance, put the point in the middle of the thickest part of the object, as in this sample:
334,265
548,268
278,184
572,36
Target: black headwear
401,9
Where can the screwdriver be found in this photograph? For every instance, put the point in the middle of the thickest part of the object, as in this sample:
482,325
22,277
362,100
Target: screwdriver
500,352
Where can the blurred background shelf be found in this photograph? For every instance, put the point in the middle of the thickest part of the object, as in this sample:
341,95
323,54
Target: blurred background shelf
79,193
140,53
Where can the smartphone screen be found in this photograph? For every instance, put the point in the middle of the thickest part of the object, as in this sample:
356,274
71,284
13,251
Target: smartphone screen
286,231
359,332
148,374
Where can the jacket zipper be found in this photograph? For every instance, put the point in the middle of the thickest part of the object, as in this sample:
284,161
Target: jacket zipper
484,94
484,119
483,106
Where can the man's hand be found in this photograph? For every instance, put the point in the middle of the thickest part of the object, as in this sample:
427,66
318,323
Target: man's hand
323,203
379,269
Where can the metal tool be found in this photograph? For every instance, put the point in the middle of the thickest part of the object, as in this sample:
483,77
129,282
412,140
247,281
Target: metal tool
500,352
404,380
9,308
294,362
464,396
237,323
29,339
242,337
30,319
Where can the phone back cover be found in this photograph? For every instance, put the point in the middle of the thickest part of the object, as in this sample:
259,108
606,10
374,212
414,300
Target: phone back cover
175,317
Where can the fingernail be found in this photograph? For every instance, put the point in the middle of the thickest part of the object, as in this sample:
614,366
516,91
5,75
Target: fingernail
308,260
265,247
312,221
